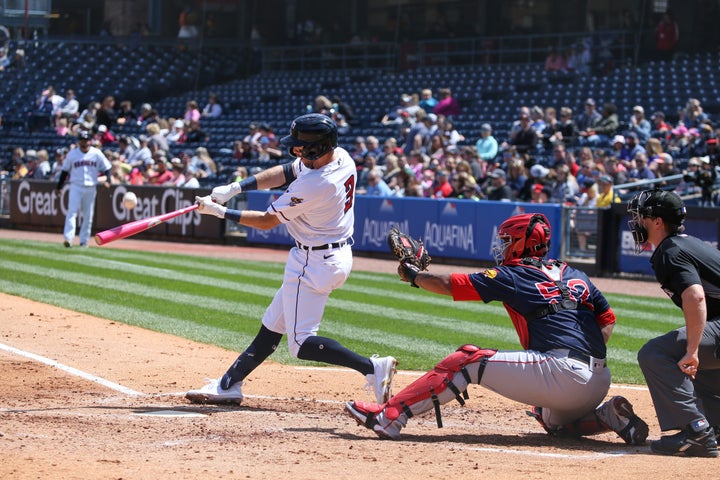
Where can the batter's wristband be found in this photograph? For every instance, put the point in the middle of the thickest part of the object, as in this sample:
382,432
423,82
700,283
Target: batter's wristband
249,183
233,215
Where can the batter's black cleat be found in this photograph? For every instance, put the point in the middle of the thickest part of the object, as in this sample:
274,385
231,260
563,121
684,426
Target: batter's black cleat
687,443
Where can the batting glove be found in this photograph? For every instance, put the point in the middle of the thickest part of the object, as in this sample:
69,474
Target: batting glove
206,206
226,192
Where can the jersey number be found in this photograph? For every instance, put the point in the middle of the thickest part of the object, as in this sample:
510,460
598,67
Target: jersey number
349,193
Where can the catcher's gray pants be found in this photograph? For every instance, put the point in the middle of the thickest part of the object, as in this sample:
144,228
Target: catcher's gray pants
678,399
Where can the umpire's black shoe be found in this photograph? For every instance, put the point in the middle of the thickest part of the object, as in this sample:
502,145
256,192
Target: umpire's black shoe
687,443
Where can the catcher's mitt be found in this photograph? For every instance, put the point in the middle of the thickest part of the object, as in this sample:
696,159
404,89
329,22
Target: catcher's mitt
407,249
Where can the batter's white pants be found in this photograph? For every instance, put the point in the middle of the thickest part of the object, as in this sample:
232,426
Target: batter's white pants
310,277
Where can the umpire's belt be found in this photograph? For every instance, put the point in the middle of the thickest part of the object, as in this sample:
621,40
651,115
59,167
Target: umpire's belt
327,246
592,363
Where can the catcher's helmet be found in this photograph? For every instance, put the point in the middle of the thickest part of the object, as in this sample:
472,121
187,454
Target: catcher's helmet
316,133
655,204
520,236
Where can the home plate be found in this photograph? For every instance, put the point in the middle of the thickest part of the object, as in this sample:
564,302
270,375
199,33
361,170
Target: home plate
170,413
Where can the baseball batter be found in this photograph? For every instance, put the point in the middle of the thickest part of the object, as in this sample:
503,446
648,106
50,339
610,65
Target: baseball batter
83,165
318,210
563,323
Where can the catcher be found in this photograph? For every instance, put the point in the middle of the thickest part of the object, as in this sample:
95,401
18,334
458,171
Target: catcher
563,322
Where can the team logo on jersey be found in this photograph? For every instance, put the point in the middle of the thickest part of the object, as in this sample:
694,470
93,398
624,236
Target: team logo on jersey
491,273
295,201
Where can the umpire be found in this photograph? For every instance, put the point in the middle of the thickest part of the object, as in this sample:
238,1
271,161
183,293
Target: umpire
681,368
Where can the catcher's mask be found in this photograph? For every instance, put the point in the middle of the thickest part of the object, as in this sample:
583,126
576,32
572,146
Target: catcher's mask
520,236
316,133
654,204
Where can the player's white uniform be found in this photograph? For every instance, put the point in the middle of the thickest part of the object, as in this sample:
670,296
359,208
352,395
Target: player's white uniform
83,170
318,210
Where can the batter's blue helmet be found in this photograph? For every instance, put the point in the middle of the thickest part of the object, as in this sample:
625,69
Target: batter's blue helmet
316,133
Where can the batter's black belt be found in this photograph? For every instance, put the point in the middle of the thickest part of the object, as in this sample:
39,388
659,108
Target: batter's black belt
327,246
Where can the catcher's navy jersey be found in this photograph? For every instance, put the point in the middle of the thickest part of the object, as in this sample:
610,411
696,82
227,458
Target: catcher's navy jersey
528,289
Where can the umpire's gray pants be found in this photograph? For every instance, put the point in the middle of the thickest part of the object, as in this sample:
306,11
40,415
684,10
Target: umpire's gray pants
678,399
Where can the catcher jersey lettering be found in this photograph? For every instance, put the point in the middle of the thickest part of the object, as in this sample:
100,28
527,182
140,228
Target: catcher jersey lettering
317,206
573,329
84,168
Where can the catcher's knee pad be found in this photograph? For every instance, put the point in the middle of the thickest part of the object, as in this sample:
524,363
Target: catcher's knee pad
449,379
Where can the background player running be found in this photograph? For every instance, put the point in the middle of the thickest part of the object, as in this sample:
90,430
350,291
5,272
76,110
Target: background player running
318,210
563,322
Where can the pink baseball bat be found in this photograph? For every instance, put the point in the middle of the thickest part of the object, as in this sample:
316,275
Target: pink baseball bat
133,228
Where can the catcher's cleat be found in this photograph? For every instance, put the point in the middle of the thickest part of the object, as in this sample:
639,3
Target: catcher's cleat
381,381
370,416
687,443
213,393
618,415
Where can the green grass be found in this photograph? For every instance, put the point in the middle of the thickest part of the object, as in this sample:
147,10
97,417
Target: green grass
221,301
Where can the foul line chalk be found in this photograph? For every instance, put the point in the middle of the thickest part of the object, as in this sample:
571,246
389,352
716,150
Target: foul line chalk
71,370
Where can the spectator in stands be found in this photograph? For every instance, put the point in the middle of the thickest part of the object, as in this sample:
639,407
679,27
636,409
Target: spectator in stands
32,162
567,130
418,135
68,108
526,139
615,170
678,144
125,147
145,116
654,149
45,104
427,101
692,115
343,109
516,176
436,149
446,127
242,150
589,117
659,128
126,115
585,222
632,147
192,112
499,190
600,133
392,169
606,192
106,114
157,140
665,167
639,124
540,193
194,134
87,118
19,169
343,127
56,168
555,61
537,120
373,146
62,128
616,146
442,187
667,36
202,161
213,108
142,156
376,185
447,104
565,187
104,136
322,104
641,170
177,133
362,176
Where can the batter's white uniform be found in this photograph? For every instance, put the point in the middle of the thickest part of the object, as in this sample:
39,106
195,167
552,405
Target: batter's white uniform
318,210
83,171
